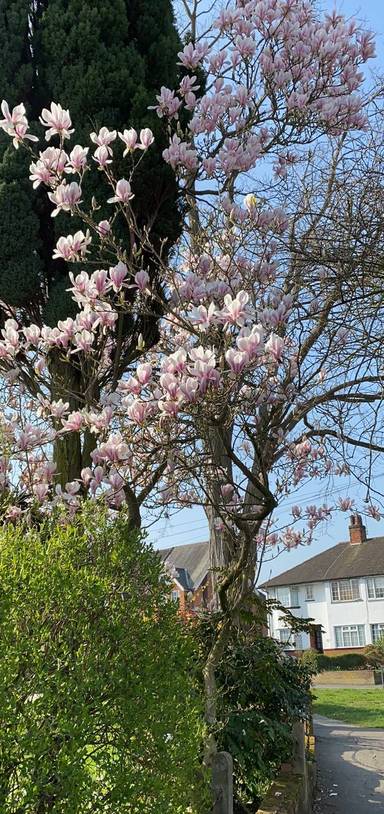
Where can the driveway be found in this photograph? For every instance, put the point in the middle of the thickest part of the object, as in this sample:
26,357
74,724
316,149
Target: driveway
350,763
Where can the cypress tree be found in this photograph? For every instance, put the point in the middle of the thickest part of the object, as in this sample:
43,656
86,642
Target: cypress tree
104,60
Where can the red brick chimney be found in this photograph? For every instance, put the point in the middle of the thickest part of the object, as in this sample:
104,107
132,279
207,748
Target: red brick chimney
357,532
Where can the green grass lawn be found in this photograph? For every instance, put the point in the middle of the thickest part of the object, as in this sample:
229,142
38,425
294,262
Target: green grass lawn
361,707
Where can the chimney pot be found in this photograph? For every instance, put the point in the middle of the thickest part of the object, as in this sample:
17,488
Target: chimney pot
357,532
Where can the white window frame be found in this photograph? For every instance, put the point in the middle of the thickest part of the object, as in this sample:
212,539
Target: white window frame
343,632
286,631
309,593
374,591
175,595
380,631
299,642
294,596
288,591
344,586
279,595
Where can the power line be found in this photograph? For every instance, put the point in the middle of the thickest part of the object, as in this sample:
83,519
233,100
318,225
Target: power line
192,528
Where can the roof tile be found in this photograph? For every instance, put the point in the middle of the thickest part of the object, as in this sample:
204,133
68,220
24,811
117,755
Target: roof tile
342,561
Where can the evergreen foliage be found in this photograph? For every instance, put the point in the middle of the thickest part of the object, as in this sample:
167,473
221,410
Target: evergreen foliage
104,59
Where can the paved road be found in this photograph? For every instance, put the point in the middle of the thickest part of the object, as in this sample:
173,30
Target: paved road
350,763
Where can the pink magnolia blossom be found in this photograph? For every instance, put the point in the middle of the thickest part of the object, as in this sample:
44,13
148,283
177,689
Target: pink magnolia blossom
77,159
170,384
168,104
204,317
58,122
188,389
40,490
99,279
65,197
32,334
86,475
103,228
58,408
374,511
99,421
142,280
251,340
169,407
50,166
180,154
123,192
117,275
83,341
275,347
139,411
15,124
129,137
73,423
104,137
72,487
206,375
345,504
106,316
296,512
72,247
176,362
237,360
237,310
144,373
206,355
131,385
192,56
146,139
102,156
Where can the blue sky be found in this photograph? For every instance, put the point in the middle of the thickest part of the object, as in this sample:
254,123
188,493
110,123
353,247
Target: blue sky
189,525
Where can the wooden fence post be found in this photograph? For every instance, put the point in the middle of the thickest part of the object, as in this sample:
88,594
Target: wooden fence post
298,761
222,783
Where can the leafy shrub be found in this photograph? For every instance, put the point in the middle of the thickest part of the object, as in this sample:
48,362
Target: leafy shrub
261,692
310,660
98,710
346,661
374,653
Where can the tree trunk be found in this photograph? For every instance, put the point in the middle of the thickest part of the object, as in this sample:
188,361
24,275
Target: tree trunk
66,385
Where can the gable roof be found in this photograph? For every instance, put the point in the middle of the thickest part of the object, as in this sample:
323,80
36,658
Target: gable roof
191,562
342,561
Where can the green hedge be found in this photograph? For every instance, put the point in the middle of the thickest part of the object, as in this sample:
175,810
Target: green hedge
346,661
99,710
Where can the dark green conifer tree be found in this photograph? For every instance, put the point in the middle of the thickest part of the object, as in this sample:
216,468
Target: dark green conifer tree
104,60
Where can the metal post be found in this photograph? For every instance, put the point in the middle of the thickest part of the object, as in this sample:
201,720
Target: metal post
222,783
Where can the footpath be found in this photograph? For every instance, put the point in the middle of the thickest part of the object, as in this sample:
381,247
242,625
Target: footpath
350,768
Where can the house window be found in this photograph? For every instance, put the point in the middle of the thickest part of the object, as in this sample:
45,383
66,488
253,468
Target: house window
285,636
350,636
298,641
294,597
377,631
375,587
175,596
345,590
309,593
289,597
283,595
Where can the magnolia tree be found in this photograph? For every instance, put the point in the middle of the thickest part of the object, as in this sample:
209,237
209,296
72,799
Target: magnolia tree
262,378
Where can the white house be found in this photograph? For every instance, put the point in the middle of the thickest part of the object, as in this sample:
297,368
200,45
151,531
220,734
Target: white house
342,590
